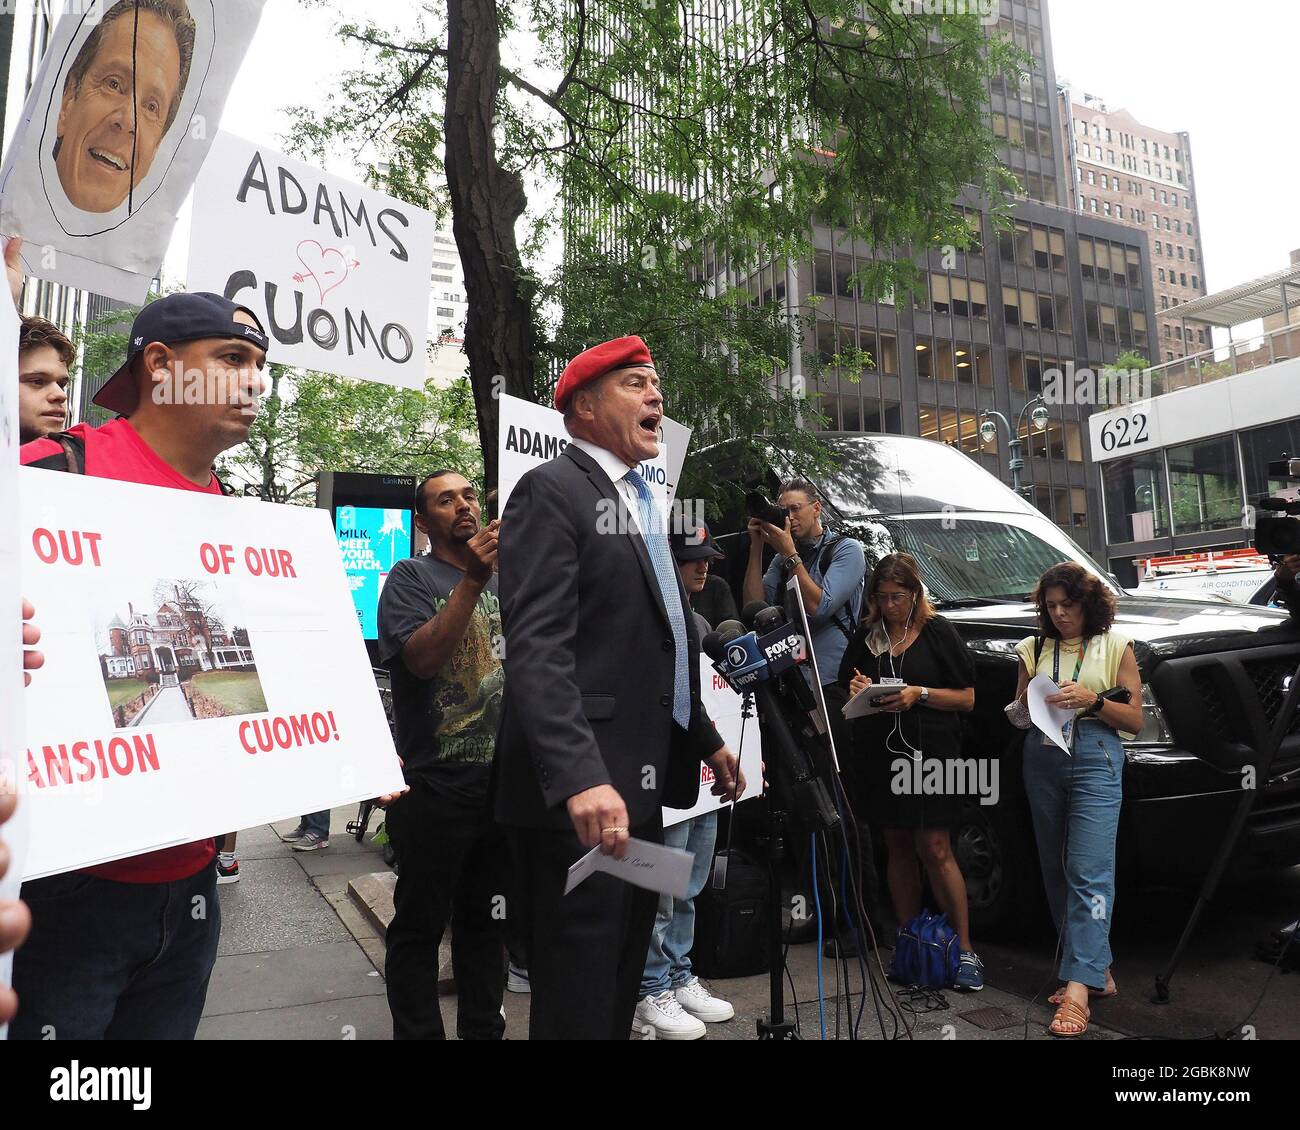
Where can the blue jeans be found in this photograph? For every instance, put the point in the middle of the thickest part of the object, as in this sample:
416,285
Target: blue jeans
116,961
1075,804
318,822
668,962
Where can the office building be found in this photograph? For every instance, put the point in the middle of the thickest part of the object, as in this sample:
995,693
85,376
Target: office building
1057,289
1142,177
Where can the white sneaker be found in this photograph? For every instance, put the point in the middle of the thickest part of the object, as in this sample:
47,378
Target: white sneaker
517,980
666,1018
699,1002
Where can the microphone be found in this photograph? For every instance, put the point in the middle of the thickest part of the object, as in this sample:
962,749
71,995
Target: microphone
748,661
751,610
714,644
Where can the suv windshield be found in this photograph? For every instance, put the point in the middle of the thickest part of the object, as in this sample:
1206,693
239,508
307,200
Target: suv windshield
969,558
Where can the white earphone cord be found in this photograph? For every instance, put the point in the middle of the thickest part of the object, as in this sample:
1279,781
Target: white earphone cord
909,750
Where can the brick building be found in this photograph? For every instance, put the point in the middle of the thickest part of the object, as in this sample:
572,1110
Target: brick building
1141,177
177,640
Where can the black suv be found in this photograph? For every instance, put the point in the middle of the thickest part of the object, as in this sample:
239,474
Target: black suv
1214,673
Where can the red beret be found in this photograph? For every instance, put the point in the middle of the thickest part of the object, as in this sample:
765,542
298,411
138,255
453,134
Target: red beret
593,363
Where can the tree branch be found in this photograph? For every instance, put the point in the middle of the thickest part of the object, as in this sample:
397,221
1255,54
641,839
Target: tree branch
577,50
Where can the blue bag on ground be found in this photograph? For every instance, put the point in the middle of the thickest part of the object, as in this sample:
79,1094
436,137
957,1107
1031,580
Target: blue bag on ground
927,952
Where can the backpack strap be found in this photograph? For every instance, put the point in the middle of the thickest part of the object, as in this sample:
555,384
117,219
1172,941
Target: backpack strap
1038,649
72,457
845,625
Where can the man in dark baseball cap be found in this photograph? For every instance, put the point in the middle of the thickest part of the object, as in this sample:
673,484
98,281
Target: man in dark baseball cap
175,320
187,392
695,551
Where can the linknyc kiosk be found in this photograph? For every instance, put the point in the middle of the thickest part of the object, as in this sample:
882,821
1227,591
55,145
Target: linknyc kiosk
372,517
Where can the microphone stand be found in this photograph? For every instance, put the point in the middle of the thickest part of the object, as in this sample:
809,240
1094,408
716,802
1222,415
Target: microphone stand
772,839
776,1027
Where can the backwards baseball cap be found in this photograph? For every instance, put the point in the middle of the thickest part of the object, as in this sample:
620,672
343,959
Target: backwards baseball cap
173,319
694,545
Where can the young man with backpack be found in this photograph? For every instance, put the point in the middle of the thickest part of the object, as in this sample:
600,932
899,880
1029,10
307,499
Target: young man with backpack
121,950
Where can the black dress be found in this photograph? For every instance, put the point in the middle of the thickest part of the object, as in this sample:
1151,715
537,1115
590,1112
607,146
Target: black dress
900,790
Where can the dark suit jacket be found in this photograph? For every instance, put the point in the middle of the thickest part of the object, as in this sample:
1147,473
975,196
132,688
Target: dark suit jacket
588,657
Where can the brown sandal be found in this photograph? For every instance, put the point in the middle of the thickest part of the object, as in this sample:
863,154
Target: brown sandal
1070,1012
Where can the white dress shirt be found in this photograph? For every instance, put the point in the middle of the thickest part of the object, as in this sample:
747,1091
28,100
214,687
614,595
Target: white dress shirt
615,470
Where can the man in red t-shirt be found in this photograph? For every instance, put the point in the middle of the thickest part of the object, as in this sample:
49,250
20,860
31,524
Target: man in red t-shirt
124,950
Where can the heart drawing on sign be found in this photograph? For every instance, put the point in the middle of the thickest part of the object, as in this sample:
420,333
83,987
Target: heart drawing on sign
327,266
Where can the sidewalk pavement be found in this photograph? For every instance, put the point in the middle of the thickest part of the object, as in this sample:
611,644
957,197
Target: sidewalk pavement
299,959
296,960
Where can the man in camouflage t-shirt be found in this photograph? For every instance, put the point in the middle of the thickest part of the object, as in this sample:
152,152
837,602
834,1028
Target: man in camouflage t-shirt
440,638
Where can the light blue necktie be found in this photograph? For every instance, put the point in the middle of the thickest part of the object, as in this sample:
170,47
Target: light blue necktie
656,542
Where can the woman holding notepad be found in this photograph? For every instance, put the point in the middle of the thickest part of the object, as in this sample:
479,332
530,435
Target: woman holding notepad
1074,797
907,740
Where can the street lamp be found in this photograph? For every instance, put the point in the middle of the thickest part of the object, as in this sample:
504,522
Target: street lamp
1038,418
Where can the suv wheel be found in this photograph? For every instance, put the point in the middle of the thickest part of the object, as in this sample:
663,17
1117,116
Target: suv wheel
995,850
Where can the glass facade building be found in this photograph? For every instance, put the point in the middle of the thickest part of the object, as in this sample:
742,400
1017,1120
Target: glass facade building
1057,289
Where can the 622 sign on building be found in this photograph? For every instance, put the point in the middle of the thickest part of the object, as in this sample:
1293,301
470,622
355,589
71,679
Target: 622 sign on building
1125,431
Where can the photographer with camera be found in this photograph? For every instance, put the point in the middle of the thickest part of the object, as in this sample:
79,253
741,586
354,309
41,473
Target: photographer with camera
1288,590
829,567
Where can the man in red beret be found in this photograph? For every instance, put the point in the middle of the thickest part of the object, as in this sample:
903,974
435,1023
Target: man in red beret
602,722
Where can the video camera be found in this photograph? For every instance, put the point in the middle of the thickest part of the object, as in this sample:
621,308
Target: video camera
1277,533
764,662
758,506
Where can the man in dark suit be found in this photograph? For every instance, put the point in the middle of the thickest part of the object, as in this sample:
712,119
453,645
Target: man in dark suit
602,719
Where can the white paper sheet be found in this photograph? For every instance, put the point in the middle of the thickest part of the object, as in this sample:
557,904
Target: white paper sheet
652,866
1053,722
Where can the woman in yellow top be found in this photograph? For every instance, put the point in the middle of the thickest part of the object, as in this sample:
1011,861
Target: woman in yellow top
1074,798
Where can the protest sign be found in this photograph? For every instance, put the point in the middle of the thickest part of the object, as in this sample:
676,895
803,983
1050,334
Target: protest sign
94,176
13,833
338,273
722,705
531,434
204,670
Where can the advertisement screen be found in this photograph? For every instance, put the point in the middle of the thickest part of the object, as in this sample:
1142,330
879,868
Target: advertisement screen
371,540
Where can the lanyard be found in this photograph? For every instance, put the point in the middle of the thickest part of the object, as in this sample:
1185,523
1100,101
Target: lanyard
1078,666
1056,674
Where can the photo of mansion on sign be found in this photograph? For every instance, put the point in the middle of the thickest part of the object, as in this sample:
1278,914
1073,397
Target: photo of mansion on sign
173,643
188,659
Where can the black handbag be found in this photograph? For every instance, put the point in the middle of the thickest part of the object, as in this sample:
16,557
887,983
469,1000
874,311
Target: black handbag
731,924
